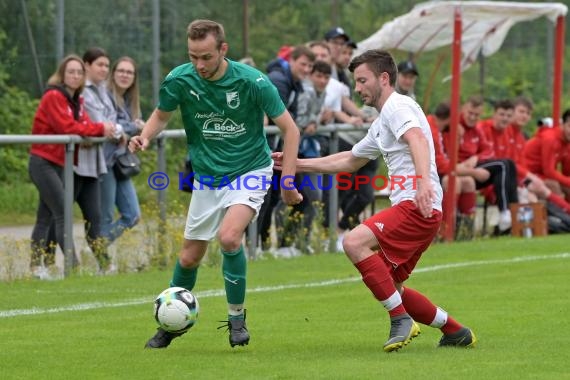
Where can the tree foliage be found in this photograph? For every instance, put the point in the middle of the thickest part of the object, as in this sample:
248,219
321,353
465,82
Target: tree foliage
16,113
124,27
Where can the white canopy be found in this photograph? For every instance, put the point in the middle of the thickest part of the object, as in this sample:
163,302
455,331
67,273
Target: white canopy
485,25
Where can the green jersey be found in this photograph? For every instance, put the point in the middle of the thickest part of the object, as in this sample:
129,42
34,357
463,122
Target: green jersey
223,119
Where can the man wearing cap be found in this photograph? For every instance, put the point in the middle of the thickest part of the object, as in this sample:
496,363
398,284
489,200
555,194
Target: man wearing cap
337,40
406,81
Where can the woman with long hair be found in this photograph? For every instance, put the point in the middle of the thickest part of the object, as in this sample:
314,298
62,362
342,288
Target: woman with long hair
60,112
118,191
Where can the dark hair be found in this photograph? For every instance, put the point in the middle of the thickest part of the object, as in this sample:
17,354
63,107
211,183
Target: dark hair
94,53
378,61
505,104
566,116
523,101
442,111
302,50
322,67
200,29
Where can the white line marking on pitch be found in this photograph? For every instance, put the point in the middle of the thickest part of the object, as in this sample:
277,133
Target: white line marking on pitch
220,292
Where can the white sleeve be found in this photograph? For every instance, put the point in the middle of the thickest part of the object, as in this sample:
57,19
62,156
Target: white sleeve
401,120
367,147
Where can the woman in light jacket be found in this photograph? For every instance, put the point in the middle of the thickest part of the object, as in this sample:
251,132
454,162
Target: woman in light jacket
91,163
117,191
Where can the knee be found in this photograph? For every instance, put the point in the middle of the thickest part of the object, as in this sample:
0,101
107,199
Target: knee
230,239
467,184
350,244
188,260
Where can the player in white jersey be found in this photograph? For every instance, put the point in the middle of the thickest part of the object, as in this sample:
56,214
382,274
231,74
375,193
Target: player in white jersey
386,247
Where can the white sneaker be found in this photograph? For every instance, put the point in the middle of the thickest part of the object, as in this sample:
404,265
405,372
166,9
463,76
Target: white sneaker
294,252
287,252
40,272
112,269
48,274
505,221
339,241
282,252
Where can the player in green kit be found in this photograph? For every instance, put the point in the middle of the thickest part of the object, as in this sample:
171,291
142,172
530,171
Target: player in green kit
222,103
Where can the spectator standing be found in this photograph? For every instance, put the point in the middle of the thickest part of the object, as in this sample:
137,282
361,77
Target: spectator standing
354,200
287,78
337,40
343,61
309,110
116,191
92,163
407,76
60,112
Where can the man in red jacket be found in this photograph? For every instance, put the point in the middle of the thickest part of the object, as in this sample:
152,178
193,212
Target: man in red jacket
466,173
508,140
547,149
474,146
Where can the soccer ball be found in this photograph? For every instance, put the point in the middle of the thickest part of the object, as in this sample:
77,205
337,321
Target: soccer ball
176,309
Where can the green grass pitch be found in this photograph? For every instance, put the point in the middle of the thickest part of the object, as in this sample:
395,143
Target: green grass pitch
309,318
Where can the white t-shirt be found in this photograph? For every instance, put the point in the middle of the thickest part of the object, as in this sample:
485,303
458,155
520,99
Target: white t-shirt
335,90
399,114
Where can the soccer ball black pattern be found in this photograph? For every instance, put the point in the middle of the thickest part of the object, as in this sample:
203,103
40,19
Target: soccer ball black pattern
176,309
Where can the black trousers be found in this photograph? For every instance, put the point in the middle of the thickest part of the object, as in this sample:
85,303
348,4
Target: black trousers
49,228
504,180
48,179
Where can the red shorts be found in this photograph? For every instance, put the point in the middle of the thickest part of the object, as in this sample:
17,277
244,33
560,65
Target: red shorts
403,234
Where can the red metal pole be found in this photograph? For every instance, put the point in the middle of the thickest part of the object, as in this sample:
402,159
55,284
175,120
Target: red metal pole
449,195
558,78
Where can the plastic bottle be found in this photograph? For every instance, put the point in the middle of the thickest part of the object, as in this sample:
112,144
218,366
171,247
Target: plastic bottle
527,217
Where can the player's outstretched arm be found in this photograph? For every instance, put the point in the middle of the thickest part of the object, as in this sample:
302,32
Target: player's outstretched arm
153,126
335,163
290,134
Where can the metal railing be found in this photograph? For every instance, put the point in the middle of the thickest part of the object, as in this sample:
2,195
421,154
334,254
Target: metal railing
71,140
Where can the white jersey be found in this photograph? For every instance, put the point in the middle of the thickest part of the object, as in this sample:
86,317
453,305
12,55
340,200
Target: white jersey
334,92
399,114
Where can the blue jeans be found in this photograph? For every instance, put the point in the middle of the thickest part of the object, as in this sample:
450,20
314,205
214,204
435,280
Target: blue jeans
122,194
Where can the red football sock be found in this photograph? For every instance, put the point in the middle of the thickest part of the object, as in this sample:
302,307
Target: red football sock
422,310
377,278
560,202
452,326
467,203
